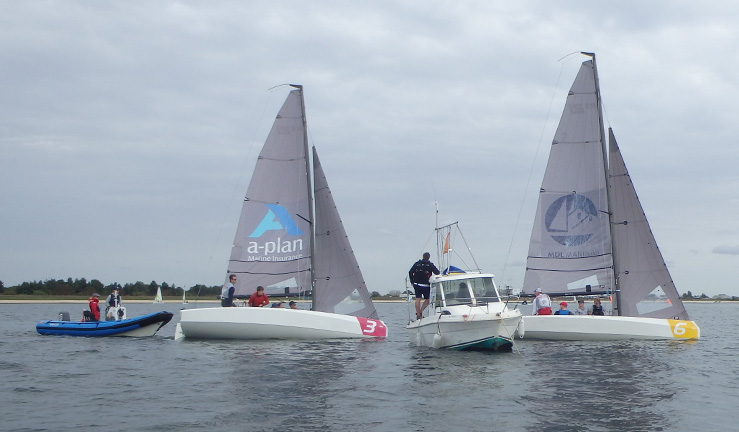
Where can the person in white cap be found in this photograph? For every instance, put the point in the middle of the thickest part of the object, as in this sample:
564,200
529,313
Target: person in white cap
542,303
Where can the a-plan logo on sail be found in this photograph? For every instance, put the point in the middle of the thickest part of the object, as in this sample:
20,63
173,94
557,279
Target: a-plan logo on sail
571,219
277,218
275,248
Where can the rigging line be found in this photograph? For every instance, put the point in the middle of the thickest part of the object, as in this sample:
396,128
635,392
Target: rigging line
533,163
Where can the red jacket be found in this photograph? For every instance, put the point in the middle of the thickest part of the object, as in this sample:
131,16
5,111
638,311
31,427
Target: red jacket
258,300
94,308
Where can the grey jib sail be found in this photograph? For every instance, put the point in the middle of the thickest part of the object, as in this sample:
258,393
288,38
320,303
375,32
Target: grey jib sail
339,285
570,248
272,243
590,232
640,269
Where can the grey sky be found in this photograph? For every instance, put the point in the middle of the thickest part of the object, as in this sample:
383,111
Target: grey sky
128,130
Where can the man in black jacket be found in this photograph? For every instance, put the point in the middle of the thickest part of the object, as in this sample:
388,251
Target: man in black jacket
419,275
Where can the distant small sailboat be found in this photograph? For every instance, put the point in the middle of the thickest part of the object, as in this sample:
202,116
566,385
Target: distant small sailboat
158,297
184,296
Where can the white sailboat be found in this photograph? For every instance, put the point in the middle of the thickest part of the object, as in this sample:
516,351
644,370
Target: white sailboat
289,234
158,296
184,297
591,235
466,311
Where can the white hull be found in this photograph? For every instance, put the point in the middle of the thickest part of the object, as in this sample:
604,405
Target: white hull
249,323
588,327
466,327
146,331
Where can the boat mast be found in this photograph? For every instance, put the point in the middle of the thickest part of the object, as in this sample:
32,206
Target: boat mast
616,289
311,210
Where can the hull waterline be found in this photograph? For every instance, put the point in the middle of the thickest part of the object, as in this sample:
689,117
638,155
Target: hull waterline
244,323
472,331
580,327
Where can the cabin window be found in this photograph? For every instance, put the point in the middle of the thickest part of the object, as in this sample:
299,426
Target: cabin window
484,290
466,292
456,292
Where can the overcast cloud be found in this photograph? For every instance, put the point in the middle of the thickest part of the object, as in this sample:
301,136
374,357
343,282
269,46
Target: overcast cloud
128,129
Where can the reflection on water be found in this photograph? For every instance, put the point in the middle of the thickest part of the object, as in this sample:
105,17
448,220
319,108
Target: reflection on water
619,383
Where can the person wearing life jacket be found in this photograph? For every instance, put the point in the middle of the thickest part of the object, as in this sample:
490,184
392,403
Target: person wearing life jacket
114,299
563,309
114,302
95,306
227,292
542,303
597,308
419,275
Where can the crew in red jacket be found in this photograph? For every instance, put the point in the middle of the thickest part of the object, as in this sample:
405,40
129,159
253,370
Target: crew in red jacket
94,306
259,298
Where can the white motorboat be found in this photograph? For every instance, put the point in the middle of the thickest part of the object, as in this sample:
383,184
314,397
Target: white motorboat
466,311
290,235
591,235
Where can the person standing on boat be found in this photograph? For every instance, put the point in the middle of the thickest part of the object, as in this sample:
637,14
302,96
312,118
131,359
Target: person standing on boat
419,275
95,306
563,309
113,309
597,308
542,303
114,299
581,308
227,292
259,298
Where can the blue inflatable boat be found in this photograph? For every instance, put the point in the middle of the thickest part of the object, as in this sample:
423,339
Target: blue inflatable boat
145,325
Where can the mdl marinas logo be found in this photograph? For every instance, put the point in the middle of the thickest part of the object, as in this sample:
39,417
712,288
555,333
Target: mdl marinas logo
276,221
571,220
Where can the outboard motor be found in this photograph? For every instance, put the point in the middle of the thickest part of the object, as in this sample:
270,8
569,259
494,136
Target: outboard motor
63,316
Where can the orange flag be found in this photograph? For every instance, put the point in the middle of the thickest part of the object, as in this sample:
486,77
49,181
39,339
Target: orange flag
446,244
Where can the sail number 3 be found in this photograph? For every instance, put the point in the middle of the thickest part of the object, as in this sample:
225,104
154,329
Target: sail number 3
370,327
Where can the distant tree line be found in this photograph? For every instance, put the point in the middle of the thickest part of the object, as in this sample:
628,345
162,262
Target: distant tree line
689,296
83,287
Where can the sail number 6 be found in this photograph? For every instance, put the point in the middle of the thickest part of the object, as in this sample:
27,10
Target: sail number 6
683,329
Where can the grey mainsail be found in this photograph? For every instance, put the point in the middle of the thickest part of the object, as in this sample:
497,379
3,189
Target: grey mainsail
590,233
276,244
272,242
570,248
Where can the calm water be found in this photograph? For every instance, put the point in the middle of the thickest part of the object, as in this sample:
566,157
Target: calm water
50,383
